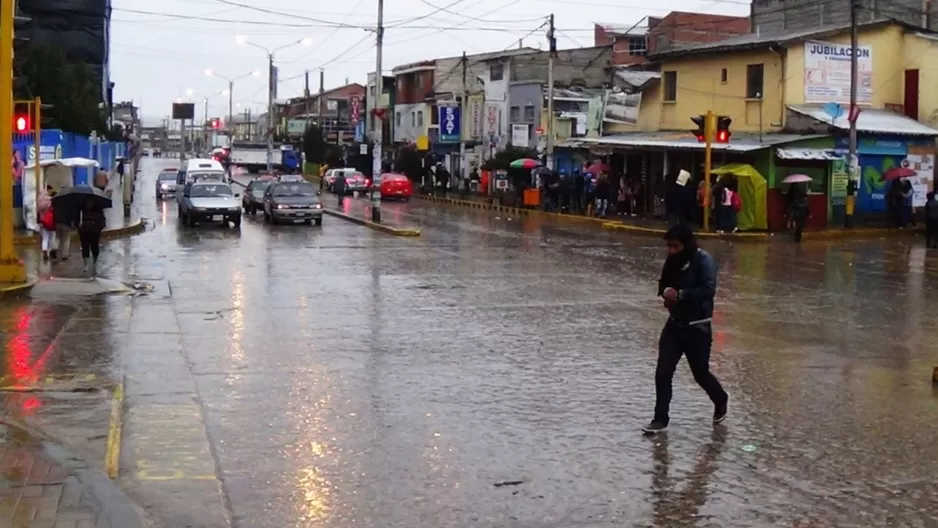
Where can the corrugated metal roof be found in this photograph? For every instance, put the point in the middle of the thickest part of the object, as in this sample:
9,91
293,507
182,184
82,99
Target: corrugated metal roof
637,79
795,153
741,142
623,30
871,120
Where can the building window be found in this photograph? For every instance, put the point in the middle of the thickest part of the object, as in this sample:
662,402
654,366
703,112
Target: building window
420,118
529,113
434,115
418,80
496,71
413,119
637,46
515,115
723,76
670,86
397,119
754,78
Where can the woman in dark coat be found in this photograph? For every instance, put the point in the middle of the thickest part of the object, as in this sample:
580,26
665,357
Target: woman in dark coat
90,223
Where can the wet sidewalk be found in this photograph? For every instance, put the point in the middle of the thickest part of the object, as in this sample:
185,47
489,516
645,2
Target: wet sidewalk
117,224
42,486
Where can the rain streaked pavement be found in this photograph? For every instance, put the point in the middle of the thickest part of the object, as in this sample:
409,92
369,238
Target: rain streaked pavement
493,372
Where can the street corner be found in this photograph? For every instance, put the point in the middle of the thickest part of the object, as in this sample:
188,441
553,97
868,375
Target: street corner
652,231
134,228
44,483
396,231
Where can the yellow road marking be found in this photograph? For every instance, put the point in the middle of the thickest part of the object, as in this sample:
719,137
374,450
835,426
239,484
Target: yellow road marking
112,454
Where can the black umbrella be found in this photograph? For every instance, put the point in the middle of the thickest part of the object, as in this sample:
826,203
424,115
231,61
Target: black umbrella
77,196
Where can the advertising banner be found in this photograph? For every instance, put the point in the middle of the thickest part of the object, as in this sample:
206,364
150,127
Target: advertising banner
827,73
621,107
450,124
520,135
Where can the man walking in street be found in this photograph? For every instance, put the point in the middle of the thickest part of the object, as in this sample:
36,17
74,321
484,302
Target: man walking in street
688,285
931,220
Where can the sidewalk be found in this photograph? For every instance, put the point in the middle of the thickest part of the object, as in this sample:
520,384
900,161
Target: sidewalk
358,211
42,486
117,225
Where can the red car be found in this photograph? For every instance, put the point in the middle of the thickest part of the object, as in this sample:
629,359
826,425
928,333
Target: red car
396,186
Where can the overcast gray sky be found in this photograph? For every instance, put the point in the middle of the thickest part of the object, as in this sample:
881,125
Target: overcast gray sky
161,49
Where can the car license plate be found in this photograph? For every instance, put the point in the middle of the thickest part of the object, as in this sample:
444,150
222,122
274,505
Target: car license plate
218,218
399,192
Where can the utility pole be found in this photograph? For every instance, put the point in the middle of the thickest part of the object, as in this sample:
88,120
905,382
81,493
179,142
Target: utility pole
11,269
549,129
306,94
271,83
322,103
379,122
230,125
709,131
853,168
463,166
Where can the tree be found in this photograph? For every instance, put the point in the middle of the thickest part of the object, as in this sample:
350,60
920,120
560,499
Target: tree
314,147
70,97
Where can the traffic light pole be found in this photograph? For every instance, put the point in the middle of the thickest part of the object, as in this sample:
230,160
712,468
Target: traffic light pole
709,130
11,268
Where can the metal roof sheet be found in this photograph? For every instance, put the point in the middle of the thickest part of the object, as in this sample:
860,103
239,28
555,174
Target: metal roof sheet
871,120
741,142
795,153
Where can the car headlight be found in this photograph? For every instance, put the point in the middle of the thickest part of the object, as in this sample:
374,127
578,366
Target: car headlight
234,208
317,206
281,207
164,186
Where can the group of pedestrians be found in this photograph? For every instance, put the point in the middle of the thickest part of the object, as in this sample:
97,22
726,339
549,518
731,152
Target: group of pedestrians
600,195
56,224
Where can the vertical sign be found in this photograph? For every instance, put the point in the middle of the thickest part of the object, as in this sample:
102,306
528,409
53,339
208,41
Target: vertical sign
449,124
355,104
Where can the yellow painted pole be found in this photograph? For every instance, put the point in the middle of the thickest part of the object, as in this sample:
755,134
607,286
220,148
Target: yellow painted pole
709,131
37,130
11,269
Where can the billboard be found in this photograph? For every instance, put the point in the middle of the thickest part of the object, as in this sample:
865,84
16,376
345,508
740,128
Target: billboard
827,73
183,111
621,107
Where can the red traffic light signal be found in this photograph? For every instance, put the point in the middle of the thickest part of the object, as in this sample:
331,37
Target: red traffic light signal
723,129
723,136
22,123
215,123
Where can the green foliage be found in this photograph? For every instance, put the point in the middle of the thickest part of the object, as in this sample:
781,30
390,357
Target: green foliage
68,87
314,146
407,160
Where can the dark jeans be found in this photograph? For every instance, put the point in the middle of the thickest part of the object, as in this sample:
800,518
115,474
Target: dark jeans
693,342
341,198
90,242
799,222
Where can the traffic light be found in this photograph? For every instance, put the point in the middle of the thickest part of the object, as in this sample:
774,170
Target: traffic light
216,123
723,129
22,122
701,132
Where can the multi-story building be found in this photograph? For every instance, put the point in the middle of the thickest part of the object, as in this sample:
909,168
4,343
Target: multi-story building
780,16
343,109
631,44
386,103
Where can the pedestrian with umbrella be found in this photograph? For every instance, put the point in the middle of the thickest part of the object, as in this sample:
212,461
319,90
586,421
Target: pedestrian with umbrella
688,285
798,211
87,205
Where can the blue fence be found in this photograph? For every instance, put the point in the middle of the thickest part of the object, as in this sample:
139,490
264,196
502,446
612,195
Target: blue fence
58,144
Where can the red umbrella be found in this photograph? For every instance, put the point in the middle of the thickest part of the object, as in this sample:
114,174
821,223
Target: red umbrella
896,173
597,168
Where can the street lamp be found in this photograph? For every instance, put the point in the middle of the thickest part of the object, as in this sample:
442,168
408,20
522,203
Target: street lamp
271,86
230,91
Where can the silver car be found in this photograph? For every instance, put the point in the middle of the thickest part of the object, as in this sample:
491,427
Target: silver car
166,183
292,202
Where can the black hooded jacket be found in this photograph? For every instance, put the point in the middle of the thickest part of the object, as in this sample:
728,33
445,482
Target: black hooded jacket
693,273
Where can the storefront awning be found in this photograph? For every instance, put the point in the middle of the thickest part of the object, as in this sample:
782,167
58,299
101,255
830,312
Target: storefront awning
741,142
807,154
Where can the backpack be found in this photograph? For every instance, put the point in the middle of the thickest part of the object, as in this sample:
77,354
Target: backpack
47,219
735,202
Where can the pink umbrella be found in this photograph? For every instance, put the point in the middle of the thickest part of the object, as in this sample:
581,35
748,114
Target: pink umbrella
797,178
896,173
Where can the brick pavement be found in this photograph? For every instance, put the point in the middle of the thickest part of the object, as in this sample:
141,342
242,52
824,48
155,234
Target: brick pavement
38,492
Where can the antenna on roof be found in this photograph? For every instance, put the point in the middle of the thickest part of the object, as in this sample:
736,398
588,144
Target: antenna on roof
520,43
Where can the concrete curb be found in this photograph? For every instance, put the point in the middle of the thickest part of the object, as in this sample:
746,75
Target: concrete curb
113,502
108,234
9,291
396,231
659,232
516,211
860,233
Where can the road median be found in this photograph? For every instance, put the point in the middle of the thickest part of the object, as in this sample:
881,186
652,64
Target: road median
396,231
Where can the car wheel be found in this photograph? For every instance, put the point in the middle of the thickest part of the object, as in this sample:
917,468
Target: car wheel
266,216
236,221
190,219
308,221
319,221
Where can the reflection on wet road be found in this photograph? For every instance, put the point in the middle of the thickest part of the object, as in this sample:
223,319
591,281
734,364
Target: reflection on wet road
495,373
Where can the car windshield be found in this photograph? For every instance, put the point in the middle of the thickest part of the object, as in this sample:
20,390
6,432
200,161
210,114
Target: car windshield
208,191
168,176
259,186
294,189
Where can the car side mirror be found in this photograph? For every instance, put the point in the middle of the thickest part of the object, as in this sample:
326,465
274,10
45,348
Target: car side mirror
237,195
318,193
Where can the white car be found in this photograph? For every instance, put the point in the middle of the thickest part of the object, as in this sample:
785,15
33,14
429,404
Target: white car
208,201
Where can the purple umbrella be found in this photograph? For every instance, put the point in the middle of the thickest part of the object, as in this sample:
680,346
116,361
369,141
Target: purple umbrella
797,178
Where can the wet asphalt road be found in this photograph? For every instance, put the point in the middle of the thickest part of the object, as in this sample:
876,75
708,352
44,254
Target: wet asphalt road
339,377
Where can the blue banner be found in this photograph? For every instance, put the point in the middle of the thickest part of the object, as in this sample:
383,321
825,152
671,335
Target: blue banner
450,124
